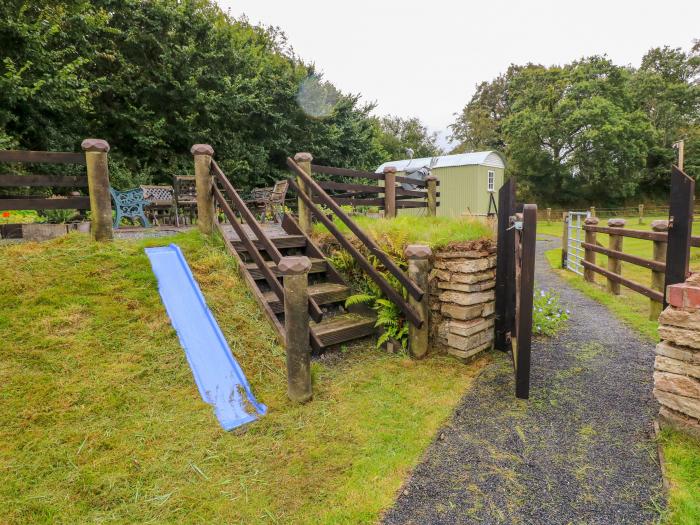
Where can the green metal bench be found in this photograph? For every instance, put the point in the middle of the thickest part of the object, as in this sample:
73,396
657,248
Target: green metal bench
129,204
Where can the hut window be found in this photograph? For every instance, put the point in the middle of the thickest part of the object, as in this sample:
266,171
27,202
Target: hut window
492,180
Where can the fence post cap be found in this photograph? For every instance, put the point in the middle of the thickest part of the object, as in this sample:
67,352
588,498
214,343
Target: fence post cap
296,265
202,149
303,156
660,225
591,221
417,251
389,169
431,178
616,223
95,145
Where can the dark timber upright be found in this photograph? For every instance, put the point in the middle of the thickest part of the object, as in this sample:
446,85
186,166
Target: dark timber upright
505,267
679,227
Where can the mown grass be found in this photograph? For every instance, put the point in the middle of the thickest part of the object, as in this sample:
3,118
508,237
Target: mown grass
437,232
681,452
100,418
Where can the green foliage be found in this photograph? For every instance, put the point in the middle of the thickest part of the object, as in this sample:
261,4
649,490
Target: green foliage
548,315
682,466
397,134
58,216
590,131
155,77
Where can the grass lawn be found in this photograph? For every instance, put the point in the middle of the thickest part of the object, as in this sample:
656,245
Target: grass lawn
396,233
681,452
100,418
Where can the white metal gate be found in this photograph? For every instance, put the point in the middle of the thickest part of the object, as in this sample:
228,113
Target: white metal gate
575,237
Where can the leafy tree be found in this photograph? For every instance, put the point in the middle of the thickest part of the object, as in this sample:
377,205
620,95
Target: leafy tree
397,134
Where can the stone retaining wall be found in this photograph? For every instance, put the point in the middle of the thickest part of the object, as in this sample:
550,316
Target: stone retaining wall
462,299
677,365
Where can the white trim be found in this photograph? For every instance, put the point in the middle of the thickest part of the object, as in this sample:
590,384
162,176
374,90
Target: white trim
491,181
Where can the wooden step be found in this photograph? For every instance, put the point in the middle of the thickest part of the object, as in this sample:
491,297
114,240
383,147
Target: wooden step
343,328
317,266
322,293
289,241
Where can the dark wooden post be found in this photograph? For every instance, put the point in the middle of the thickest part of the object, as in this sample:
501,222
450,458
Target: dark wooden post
418,256
615,265
295,272
431,181
589,255
657,278
680,226
303,160
390,192
98,186
526,301
565,240
204,183
505,267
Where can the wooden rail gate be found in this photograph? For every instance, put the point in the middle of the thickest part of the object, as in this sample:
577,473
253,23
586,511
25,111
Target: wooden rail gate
515,282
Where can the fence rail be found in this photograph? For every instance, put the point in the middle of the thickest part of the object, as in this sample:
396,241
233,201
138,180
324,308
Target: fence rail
392,197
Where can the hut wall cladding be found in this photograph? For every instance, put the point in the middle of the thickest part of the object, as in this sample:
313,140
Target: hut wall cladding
462,299
677,364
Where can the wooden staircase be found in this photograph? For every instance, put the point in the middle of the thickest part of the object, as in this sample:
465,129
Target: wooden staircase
257,247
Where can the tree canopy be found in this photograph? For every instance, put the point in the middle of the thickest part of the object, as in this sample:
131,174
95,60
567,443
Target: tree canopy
590,131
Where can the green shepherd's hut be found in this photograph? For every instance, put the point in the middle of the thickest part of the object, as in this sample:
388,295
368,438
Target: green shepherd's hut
467,181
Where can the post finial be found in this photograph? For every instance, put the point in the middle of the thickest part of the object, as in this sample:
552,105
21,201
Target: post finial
99,145
389,169
202,149
303,156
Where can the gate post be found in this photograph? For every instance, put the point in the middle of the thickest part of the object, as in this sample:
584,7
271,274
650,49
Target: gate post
98,187
526,302
204,185
418,256
565,240
679,224
295,272
390,192
589,255
431,181
304,162
505,267
657,278
615,265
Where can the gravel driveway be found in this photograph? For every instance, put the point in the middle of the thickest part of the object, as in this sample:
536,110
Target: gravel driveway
580,451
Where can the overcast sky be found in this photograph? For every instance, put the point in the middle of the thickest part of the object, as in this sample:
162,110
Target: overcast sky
424,58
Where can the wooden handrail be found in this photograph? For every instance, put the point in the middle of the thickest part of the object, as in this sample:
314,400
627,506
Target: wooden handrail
411,314
614,254
314,310
638,234
390,265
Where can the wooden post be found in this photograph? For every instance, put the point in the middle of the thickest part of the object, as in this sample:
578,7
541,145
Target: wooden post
505,267
657,278
549,216
390,192
681,153
98,186
592,210
295,272
432,195
565,239
615,265
204,186
641,214
680,227
525,302
303,160
589,255
418,256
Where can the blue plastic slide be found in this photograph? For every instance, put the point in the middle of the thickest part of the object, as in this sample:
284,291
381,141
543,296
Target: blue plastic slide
220,379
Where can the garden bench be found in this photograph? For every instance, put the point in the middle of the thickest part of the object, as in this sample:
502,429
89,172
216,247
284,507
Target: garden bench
162,202
269,201
129,204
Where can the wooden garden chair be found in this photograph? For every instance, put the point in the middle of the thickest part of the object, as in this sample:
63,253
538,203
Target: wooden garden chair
185,198
162,202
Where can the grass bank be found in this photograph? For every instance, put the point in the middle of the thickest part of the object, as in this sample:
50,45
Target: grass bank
100,418
681,452
437,232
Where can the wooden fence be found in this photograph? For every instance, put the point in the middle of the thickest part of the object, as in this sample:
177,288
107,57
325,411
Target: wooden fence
393,195
671,251
96,180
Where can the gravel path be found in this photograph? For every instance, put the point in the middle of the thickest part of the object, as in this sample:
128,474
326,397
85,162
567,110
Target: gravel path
580,451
